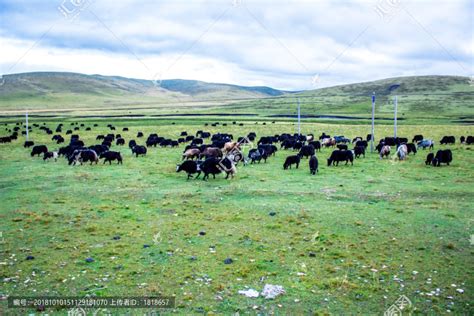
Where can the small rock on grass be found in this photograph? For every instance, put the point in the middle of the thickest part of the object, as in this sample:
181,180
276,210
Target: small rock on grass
271,291
249,293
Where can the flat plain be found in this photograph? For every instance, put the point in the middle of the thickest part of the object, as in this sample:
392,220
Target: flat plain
350,239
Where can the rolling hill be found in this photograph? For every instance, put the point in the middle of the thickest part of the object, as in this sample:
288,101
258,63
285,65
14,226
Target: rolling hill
420,97
37,85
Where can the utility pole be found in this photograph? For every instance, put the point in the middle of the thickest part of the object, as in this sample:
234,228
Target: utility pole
395,117
373,123
26,119
299,118
392,88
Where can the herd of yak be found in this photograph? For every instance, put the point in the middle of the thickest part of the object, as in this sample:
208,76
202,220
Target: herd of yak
221,153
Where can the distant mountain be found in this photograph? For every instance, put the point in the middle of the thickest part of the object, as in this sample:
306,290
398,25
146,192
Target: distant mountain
419,97
400,85
43,83
447,97
195,88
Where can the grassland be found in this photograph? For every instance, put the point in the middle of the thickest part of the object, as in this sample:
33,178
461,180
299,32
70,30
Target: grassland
349,240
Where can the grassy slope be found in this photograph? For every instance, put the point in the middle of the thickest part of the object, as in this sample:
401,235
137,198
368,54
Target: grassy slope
56,90
369,225
420,98
449,97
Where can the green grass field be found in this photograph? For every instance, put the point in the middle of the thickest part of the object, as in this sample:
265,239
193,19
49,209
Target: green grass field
349,240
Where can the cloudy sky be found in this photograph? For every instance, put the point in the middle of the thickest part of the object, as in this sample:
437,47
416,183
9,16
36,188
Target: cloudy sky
294,45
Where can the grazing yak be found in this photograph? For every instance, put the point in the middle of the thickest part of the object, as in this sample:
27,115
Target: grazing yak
51,155
362,143
324,136
38,150
359,150
195,141
139,150
99,149
411,148
417,138
328,142
107,144
269,149
59,139
28,144
191,154
205,135
82,156
292,160
402,152
120,142
68,150
341,139
190,167
287,144
5,139
110,156
174,143
442,156
227,165
429,159
215,166
395,141
425,143
341,155
153,141
257,154
469,140
446,140
313,165
316,144
384,151
306,151
211,152
342,146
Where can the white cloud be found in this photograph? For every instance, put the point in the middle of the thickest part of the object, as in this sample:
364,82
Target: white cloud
275,43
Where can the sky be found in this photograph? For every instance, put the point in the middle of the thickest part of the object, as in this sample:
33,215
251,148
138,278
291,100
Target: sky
290,45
